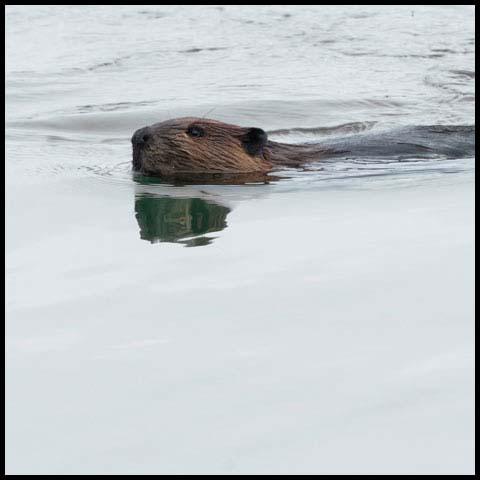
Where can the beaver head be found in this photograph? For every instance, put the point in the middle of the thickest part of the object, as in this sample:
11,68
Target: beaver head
198,146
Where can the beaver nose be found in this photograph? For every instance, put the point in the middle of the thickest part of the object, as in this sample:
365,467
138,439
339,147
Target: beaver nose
141,136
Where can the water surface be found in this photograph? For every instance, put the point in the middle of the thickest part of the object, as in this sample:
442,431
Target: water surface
322,323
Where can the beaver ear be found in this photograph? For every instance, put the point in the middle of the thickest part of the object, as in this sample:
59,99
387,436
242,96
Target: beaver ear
254,140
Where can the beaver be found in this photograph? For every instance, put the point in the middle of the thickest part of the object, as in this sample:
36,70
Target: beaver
186,148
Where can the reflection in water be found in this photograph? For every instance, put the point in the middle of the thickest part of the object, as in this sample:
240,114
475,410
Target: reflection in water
175,220
260,178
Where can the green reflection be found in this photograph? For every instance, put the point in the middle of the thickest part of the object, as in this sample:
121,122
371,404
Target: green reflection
167,219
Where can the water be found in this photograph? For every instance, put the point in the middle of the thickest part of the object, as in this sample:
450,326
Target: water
322,323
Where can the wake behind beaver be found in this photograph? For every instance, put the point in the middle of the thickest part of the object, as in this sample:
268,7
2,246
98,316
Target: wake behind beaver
188,149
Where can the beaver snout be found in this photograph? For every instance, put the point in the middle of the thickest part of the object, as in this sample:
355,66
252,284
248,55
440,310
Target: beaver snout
140,140
141,137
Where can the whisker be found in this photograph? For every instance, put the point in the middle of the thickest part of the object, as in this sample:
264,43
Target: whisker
210,111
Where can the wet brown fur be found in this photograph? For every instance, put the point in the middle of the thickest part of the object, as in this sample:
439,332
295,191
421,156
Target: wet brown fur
222,149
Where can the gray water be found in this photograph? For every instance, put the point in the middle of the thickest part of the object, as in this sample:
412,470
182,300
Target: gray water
322,323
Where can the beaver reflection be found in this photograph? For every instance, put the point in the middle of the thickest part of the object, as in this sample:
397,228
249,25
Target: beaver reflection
167,219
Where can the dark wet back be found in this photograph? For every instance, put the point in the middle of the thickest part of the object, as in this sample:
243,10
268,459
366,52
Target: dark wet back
415,141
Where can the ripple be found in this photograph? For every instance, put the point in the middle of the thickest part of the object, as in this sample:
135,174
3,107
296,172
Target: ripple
464,73
118,173
152,14
205,49
112,107
352,127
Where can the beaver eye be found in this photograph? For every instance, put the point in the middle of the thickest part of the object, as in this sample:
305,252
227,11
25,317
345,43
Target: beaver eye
195,131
